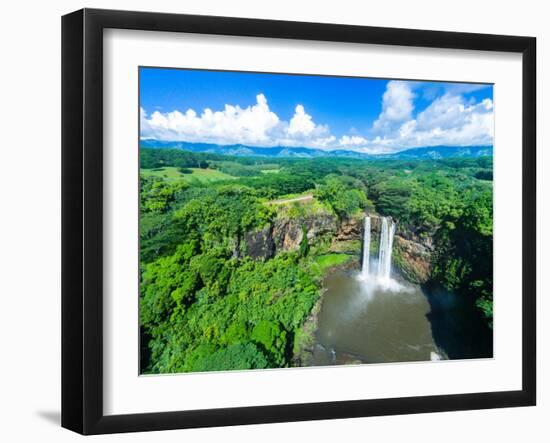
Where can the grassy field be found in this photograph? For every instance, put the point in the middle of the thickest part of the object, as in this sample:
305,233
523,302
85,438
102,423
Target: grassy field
328,260
172,174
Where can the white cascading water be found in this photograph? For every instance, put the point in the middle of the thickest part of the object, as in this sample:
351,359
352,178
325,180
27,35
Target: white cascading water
366,249
381,275
385,251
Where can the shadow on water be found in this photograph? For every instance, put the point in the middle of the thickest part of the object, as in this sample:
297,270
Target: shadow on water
458,327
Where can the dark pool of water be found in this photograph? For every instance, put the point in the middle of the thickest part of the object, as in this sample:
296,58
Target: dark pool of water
363,322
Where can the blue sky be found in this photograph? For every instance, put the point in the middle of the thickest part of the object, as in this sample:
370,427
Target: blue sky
370,115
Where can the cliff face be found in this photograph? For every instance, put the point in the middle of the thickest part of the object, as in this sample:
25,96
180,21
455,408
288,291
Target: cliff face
351,229
412,255
286,234
409,234
413,259
260,244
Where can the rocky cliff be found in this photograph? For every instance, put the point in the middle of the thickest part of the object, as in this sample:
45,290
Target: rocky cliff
412,254
286,234
260,244
413,259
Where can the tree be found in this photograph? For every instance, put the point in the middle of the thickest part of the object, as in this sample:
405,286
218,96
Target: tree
304,245
340,196
234,357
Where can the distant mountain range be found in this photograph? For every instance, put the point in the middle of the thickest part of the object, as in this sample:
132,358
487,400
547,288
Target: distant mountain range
429,152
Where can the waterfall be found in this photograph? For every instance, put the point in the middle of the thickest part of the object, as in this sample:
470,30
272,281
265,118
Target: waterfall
385,250
382,275
366,249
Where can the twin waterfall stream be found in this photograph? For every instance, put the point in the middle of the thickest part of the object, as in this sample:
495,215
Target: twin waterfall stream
383,272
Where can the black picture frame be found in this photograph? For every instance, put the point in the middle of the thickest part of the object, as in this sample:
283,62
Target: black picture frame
82,218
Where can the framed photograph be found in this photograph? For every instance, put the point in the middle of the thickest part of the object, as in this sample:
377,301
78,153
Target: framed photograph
269,221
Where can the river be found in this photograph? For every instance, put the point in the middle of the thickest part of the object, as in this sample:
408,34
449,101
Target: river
361,322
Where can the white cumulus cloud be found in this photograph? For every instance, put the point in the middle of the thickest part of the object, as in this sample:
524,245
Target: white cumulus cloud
254,125
234,124
449,120
397,105
301,123
352,140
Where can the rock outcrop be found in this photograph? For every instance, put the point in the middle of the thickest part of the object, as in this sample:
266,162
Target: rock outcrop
423,238
351,229
286,234
413,259
259,244
412,253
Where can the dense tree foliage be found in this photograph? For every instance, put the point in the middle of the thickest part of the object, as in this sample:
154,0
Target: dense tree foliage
464,262
158,158
206,305
345,195
197,307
